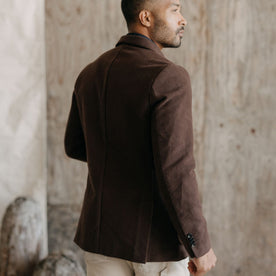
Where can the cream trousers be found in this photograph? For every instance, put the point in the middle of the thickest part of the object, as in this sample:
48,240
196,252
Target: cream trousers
101,265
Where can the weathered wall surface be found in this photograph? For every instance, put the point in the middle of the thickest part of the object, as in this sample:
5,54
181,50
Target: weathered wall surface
240,133
23,104
74,38
229,50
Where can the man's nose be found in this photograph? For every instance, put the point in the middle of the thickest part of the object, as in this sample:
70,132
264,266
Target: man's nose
183,21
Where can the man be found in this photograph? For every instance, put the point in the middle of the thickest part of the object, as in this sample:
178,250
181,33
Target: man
131,121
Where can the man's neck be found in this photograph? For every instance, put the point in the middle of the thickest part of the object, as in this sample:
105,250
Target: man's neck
135,33
145,34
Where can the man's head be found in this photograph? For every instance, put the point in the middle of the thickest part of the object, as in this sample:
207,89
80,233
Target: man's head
161,20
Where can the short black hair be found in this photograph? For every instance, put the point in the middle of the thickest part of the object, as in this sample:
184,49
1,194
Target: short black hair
131,9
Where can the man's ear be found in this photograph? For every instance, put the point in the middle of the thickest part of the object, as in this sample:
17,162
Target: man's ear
145,18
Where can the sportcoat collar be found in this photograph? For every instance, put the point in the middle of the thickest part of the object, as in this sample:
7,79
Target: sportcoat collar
139,41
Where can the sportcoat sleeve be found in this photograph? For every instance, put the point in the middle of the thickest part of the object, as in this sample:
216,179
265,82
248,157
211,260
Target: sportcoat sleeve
172,146
74,141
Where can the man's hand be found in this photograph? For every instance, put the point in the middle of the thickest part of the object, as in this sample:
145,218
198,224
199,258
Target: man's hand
199,266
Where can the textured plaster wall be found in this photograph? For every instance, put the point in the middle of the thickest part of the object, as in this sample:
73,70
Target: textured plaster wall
76,33
229,50
23,104
239,135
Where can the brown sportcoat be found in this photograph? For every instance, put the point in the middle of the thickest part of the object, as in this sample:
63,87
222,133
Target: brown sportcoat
131,121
